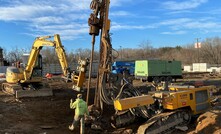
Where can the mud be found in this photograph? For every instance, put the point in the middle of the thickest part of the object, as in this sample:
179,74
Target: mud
52,115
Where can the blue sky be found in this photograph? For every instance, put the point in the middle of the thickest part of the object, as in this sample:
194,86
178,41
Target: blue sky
162,22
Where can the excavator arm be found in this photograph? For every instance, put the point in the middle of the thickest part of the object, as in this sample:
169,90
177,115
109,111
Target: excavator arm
77,78
36,48
61,55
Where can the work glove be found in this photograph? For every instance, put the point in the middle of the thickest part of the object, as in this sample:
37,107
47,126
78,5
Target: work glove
71,101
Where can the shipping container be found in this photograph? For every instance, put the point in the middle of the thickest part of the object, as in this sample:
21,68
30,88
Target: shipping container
121,66
157,70
187,68
200,67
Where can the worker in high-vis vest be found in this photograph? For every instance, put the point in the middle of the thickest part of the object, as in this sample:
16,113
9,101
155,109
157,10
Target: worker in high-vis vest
81,110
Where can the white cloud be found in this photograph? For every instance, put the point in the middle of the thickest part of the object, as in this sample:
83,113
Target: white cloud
188,4
48,20
128,27
202,25
23,12
69,17
175,32
66,17
179,12
118,26
49,17
120,13
187,23
119,2
175,21
182,25
67,31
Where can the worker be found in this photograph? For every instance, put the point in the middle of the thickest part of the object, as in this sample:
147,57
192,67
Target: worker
17,64
81,110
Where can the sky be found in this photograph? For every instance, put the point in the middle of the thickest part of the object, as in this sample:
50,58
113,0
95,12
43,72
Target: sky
161,22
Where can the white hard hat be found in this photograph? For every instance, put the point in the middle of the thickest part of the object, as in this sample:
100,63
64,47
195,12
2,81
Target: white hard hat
79,95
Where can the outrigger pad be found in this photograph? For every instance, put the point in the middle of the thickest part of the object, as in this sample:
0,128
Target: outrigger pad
33,93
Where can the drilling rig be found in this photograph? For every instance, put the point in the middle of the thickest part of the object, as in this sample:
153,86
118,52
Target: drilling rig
99,22
164,109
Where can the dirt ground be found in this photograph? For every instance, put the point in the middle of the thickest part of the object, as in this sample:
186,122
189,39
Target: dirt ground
52,115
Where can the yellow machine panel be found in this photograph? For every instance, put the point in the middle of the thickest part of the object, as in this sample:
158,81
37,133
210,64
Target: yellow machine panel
127,103
13,74
197,99
181,88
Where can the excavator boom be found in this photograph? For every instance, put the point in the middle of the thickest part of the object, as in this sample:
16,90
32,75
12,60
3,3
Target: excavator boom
36,48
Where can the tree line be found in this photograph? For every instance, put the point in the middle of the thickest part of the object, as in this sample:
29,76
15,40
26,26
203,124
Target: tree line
210,52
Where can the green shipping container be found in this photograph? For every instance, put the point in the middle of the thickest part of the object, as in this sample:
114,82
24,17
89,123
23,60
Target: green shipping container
158,70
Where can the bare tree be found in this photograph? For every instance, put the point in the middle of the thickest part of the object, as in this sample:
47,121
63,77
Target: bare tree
171,53
49,55
15,55
211,50
188,54
145,50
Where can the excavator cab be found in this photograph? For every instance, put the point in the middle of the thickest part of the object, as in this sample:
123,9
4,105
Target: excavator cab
37,70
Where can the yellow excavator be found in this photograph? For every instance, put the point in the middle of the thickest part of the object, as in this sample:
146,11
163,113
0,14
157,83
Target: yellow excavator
24,81
163,109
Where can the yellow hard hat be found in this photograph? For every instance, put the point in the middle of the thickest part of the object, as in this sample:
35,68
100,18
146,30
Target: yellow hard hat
79,95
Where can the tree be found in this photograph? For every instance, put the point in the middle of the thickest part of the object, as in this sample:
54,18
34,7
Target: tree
15,55
145,50
211,50
49,55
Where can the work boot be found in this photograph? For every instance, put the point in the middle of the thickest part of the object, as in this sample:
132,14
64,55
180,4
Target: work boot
71,127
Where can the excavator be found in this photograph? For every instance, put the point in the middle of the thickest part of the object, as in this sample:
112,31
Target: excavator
25,81
163,110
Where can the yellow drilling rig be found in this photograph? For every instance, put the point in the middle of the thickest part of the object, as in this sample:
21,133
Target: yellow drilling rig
164,109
